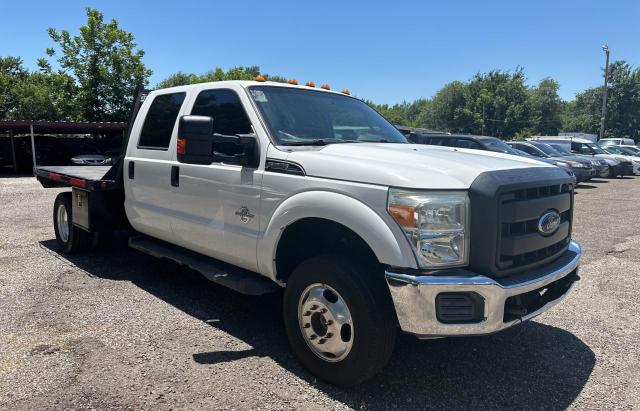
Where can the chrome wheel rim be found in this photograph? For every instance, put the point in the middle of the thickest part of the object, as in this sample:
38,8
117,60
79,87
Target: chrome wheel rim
63,223
325,322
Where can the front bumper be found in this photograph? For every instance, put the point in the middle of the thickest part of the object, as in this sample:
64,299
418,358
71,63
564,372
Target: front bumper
584,174
414,296
603,171
623,170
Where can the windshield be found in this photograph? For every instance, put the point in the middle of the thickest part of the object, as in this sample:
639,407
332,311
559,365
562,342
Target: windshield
621,150
500,146
547,149
306,117
613,150
596,148
561,149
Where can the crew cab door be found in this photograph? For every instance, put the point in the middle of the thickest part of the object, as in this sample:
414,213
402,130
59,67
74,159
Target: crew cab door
147,179
216,205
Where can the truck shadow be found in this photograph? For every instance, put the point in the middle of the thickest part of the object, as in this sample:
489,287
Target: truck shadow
530,366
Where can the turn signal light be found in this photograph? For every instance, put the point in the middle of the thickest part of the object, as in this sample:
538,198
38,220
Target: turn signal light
311,84
181,148
260,78
326,87
345,91
404,215
293,81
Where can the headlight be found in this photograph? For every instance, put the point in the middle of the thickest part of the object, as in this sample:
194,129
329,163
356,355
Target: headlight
575,164
436,224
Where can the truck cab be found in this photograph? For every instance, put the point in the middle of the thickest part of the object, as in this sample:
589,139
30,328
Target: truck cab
264,186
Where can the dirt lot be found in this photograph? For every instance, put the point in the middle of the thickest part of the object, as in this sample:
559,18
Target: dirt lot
120,330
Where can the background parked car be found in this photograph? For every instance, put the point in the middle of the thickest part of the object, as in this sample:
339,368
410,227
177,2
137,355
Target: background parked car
618,165
627,154
601,166
623,150
91,160
581,167
486,143
616,141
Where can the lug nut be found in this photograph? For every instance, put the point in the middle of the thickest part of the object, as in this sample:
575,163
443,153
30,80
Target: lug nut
329,322
307,325
313,336
324,310
314,307
321,341
307,313
329,335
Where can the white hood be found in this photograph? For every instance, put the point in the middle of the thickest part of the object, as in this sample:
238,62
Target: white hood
404,165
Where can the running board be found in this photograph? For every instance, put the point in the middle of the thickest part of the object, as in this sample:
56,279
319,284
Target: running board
238,279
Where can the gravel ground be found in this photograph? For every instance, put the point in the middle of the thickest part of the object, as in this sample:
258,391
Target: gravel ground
120,330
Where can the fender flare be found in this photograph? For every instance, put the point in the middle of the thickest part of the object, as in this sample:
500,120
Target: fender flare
390,247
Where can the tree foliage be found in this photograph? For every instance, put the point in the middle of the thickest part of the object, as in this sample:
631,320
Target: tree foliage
218,74
98,69
105,64
40,95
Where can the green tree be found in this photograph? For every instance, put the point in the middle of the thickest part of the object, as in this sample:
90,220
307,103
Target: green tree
546,108
502,96
623,104
104,61
450,110
217,74
12,72
40,95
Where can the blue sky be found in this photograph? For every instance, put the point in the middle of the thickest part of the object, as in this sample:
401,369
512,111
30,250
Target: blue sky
395,51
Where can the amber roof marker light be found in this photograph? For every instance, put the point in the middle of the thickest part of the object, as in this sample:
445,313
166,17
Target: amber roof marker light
345,91
326,87
293,81
260,78
311,84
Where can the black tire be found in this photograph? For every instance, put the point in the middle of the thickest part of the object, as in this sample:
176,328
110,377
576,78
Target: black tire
365,292
101,240
610,173
77,239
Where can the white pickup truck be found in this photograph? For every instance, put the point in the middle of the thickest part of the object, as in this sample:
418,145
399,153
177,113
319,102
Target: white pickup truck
264,186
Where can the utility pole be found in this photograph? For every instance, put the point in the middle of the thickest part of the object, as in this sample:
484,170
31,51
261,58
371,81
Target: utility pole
605,48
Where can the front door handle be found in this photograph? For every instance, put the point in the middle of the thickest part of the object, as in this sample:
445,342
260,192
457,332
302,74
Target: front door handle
175,176
131,169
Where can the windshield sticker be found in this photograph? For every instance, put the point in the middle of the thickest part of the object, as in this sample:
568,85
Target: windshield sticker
259,96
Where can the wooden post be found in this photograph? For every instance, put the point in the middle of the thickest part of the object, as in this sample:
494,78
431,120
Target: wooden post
33,147
13,152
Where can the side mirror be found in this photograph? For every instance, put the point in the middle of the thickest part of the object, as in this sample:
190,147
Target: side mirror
197,144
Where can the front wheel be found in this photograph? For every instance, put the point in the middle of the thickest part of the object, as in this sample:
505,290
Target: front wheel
339,319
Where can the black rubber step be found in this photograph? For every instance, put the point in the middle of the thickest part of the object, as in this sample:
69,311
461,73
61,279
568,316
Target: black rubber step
238,279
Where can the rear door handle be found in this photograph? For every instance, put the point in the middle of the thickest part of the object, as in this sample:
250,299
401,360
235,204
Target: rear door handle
175,176
131,169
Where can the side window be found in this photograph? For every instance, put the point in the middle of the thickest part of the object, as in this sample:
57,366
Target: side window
224,106
528,149
442,141
466,143
160,120
584,149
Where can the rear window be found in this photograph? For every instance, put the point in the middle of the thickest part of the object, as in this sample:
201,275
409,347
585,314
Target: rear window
466,143
160,120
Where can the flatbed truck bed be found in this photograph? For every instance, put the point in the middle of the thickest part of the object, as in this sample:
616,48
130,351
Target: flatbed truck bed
89,178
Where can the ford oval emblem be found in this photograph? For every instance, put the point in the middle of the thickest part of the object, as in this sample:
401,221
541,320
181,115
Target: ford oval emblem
549,222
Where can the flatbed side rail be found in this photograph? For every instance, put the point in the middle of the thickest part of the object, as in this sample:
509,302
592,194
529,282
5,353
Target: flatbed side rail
50,179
